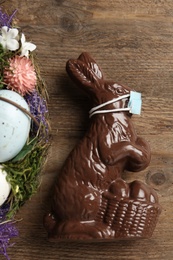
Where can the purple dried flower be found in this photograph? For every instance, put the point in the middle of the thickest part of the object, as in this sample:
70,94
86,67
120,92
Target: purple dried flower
38,109
7,231
5,20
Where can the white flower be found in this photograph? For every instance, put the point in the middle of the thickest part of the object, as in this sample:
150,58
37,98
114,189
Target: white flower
26,46
8,38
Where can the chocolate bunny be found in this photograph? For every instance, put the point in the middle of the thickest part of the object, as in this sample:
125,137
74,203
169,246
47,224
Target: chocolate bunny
90,199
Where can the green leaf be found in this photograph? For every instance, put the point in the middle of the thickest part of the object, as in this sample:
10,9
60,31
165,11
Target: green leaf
25,150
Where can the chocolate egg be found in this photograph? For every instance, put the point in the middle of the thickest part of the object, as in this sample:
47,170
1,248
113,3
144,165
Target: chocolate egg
5,186
14,125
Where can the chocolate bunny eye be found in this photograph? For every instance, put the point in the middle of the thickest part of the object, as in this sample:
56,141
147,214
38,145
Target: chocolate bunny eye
119,90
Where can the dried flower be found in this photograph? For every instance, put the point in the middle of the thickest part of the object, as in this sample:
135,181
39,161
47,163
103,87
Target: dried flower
38,109
7,230
9,38
20,76
26,46
5,20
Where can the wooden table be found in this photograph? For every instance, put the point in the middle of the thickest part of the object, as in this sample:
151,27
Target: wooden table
133,42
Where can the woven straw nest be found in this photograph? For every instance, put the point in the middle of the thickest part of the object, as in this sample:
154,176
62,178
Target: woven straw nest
20,73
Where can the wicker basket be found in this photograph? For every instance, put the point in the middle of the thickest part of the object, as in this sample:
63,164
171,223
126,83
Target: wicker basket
129,218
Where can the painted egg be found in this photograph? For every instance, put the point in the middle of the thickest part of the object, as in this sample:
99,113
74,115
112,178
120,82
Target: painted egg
5,186
14,125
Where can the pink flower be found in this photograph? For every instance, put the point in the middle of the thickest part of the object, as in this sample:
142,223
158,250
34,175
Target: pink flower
20,76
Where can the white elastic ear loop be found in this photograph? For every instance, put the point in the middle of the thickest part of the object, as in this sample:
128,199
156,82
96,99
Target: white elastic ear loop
95,110
110,111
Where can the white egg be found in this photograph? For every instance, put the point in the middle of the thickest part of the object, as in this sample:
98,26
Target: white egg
5,186
14,125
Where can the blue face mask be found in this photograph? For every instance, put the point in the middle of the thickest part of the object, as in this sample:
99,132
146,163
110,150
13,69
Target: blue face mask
134,105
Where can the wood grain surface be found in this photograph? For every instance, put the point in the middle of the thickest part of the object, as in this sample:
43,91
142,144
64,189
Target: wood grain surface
132,40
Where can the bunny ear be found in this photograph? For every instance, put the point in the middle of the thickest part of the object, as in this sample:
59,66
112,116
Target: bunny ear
81,74
91,63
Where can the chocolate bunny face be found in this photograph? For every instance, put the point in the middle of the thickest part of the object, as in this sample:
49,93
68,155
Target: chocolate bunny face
90,199
87,74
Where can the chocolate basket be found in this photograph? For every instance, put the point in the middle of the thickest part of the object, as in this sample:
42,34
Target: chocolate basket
129,218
